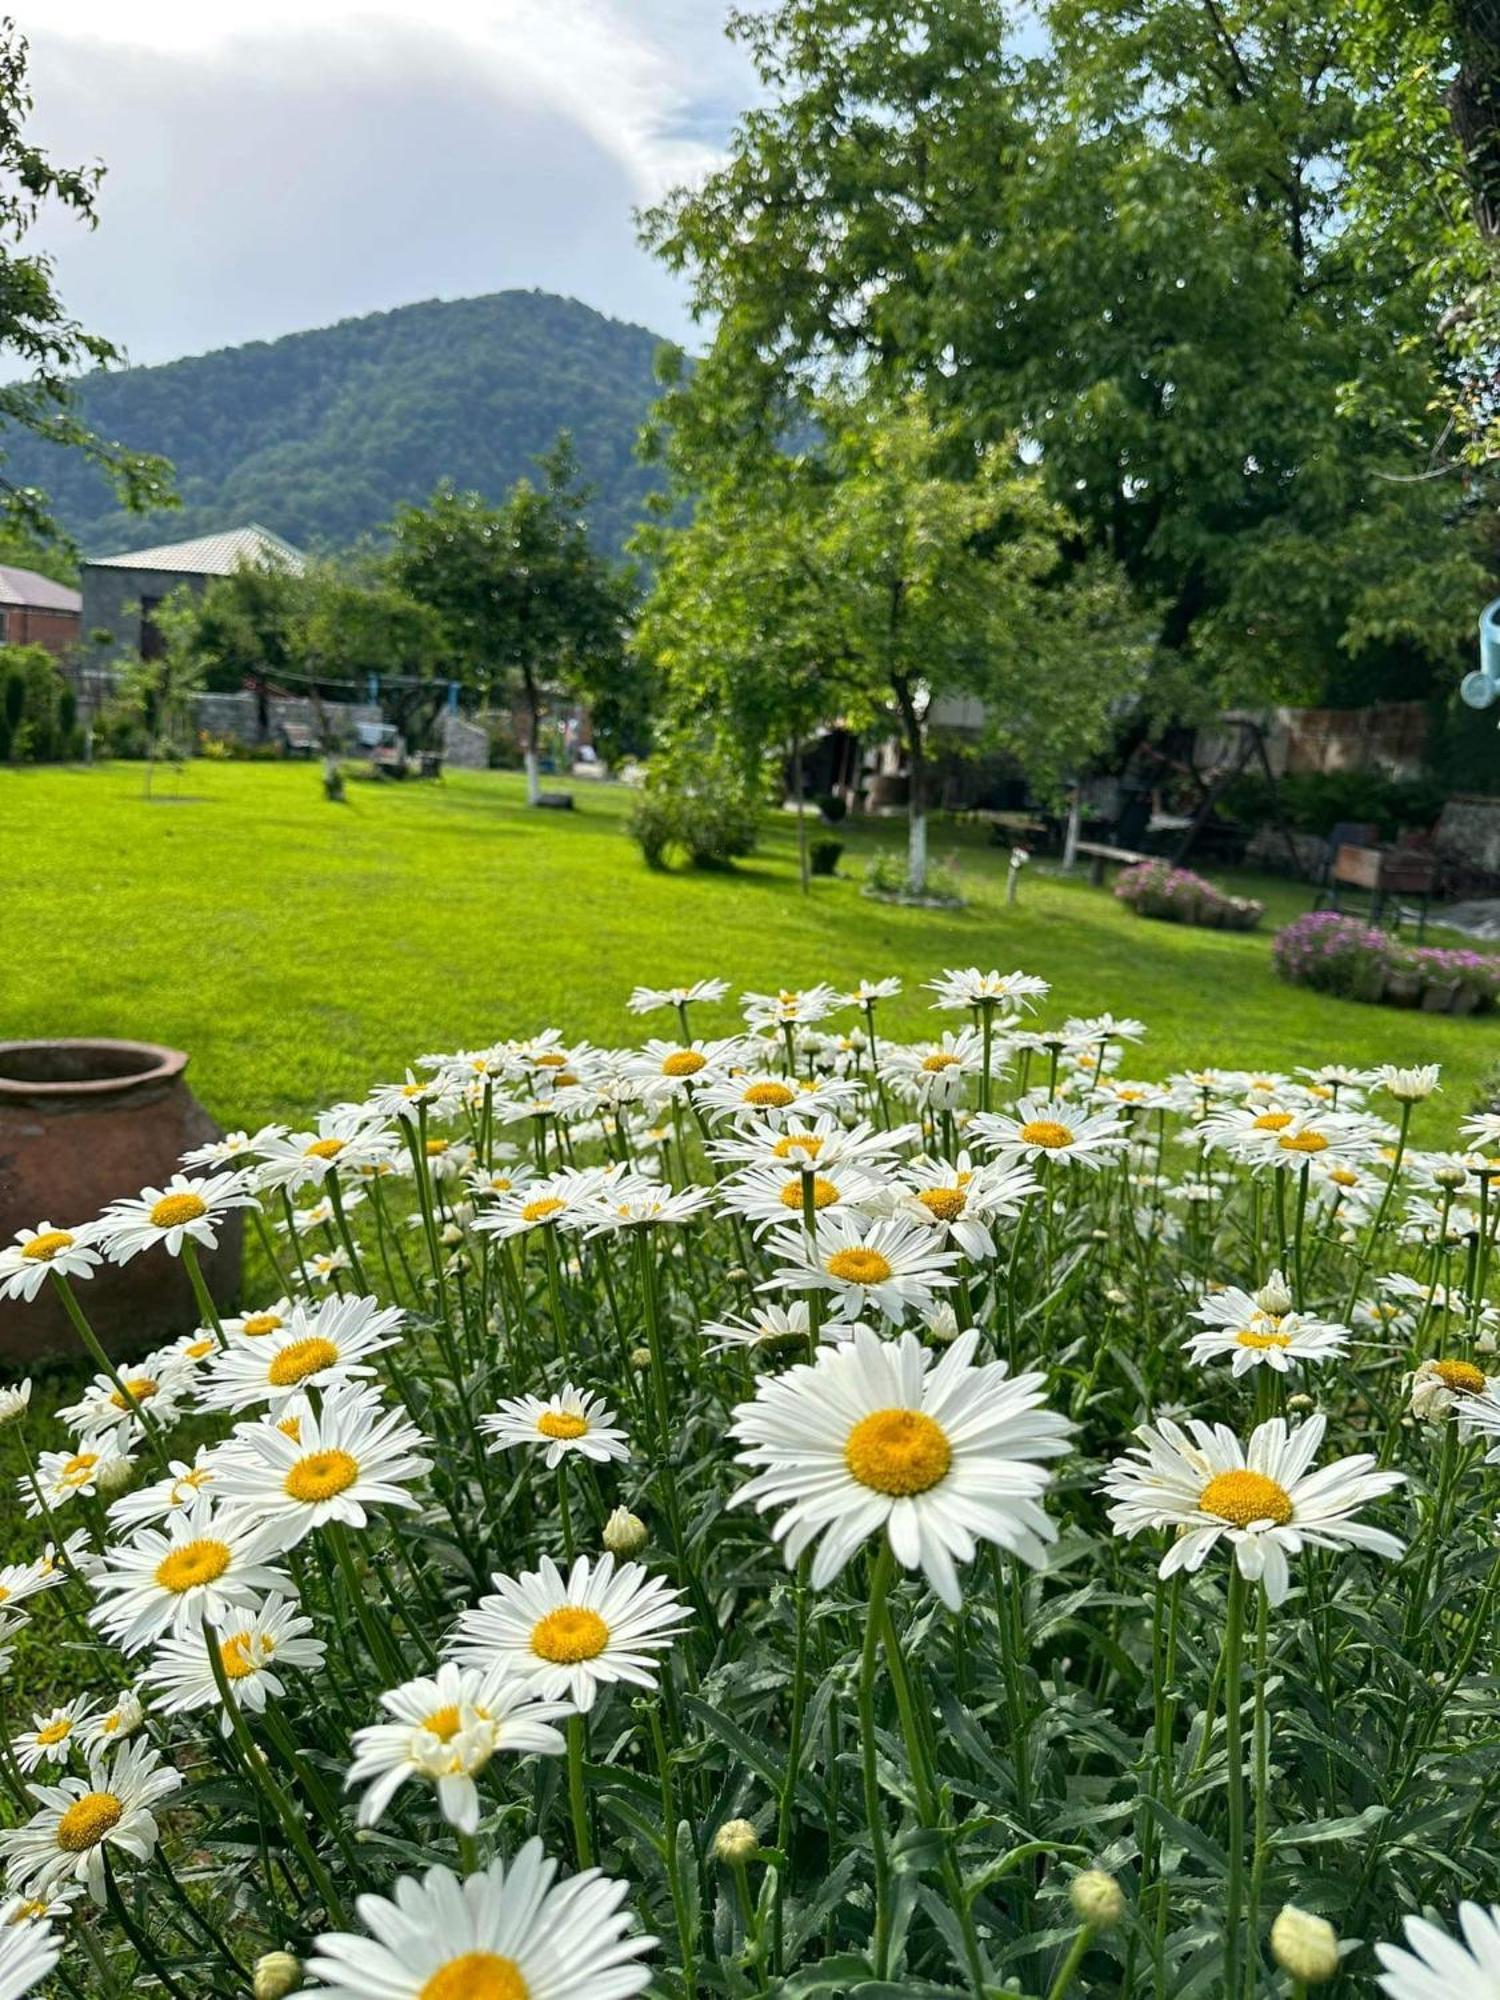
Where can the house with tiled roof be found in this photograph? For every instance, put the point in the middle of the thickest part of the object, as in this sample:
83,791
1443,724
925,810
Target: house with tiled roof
35,611
121,592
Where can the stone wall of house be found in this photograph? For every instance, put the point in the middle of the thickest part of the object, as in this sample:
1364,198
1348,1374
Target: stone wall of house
238,716
1468,836
465,744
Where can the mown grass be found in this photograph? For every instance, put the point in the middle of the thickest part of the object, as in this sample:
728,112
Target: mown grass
301,951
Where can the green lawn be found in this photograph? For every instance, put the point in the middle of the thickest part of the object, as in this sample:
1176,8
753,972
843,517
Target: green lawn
301,951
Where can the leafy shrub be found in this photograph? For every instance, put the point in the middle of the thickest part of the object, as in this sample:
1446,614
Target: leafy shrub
33,695
1315,801
698,810
887,876
1344,955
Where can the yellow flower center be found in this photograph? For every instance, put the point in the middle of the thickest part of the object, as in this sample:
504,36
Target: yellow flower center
46,1246
823,1192
190,1482
1302,1142
943,1204
1048,1132
436,1148
29,1911
569,1634
858,1267
256,1324
797,1142
1272,1121
234,1657
898,1452
444,1723
552,1061
55,1732
938,1061
478,1975
76,1470
324,1149
141,1388
1242,1496
193,1564
541,1208
1344,1176
198,1350
299,1359
561,1424
321,1475
173,1210
1461,1375
683,1062
769,1096
87,1820
1269,1335
291,1427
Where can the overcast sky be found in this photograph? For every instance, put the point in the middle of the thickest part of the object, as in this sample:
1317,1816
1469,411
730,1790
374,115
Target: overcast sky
279,164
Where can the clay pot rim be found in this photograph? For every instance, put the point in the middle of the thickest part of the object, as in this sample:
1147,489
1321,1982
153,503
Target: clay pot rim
158,1065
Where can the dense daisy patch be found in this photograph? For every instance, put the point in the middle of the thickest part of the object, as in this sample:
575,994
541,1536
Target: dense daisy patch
776,1511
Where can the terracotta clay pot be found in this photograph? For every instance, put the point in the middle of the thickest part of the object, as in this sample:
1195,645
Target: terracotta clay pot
83,1123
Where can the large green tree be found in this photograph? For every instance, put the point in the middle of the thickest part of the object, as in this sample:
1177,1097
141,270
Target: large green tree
525,601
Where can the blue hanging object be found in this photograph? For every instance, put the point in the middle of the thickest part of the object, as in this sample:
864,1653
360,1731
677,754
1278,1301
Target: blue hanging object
1482,688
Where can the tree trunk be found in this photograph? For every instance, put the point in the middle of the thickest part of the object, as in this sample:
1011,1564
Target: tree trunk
533,741
797,794
916,788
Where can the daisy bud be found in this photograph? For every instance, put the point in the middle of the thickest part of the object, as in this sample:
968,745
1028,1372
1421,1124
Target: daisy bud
625,1534
1451,1174
276,1975
942,1324
736,1842
1275,1296
14,1402
1301,1401
1115,1297
1097,1899
114,1476
1305,1946
129,1713
640,1358
736,1274
452,1234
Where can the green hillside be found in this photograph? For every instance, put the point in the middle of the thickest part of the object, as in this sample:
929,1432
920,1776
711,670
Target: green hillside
319,435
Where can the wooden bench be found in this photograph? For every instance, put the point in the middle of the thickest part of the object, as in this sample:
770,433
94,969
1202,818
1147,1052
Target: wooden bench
1101,857
297,741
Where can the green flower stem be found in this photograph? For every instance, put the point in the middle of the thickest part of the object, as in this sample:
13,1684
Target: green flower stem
1260,1758
416,1145
96,1353
687,1943
346,1235
1377,1222
810,1226
577,1726
750,1922
145,1949
554,1292
1070,1964
565,1514
382,1645
880,1583
787,1804
1234,1778
268,1248
296,1241
201,1292
324,1803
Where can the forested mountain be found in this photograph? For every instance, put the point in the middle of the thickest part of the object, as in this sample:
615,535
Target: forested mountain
320,435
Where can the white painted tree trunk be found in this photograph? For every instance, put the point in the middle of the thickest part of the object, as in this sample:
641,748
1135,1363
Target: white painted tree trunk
916,852
533,778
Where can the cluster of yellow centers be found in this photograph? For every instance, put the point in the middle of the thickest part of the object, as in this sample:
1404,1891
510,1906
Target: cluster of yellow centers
769,1096
1243,1496
191,1565
569,1634
134,1389
1460,1375
322,1475
323,1149
899,1452
477,1975
47,1245
1050,1133
683,1062
562,1424
542,1209
175,1210
299,1359
858,1266
822,1193
87,1820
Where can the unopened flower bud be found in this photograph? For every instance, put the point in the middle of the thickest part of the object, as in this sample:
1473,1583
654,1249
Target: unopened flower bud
736,1842
1115,1297
736,1274
942,1324
452,1234
127,1715
277,1973
1275,1296
1301,1401
114,1475
1451,1174
1097,1899
640,1358
14,1401
625,1534
1305,1946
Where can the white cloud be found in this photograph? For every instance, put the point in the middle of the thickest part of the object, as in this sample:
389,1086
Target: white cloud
277,166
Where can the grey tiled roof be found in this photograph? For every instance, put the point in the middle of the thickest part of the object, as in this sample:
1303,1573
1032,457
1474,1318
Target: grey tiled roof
210,555
37,593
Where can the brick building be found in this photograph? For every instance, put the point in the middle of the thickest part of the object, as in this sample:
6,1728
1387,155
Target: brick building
35,611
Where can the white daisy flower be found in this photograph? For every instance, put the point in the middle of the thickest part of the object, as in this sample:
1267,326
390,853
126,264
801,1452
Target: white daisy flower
407,1100
15,1400
889,1267
348,1455
506,1933
51,1737
769,1195
28,1952
326,1267
821,1142
962,1202
967,986
937,1073
1408,1086
178,1489
874,1436
19,1581
788,1007
446,1729
771,1327
1317,1136
104,1411
184,1210
344,1141
567,1638
235,1147
24,1264
1261,1496
257,1323
570,1421
80,1818
1438,1967
651,999
766,1098
565,1200
206,1564
113,1725
253,1643
868,991
63,1475
1040,1129
635,1202
317,1345
1104,1027
664,1070
1261,1330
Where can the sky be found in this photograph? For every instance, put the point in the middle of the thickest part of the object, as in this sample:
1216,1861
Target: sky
281,164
